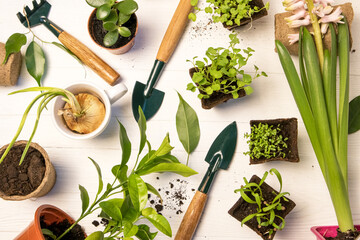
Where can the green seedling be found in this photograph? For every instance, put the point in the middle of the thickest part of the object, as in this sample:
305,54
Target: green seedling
221,71
265,141
228,12
126,214
114,15
266,211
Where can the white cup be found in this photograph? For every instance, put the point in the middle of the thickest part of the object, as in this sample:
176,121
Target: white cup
107,97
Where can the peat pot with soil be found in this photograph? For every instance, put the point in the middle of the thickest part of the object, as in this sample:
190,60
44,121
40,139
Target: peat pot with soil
314,89
113,25
273,140
220,77
34,178
262,208
233,13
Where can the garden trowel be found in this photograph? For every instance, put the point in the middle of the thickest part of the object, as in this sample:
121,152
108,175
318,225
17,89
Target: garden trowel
38,15
219,157
146,96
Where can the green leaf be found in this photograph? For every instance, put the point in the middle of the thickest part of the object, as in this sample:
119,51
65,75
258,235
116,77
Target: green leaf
178,168
123,18
35,61
113,17
354,115
48,233
111,38
125,145
208,10
130,229
144,233
103,11
112,208
249,90
138,192
127,7
84,198
142,127
96,236
14,44
97,3
187,126
153,190
158,221
165,147
109,26
192,17
194,2
124,31
101,184
120,172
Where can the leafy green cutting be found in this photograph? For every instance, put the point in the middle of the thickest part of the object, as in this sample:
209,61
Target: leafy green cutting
187,126
124,213
266,141
221,71
229,12
114,15
266,214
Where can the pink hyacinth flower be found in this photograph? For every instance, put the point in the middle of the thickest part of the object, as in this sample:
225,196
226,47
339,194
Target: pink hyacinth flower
324,2
324,28
288,3
321,11
293,38
301,22
298,14
334,17
299,4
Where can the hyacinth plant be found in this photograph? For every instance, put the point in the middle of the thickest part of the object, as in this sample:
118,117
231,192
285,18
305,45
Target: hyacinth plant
315,96
301,17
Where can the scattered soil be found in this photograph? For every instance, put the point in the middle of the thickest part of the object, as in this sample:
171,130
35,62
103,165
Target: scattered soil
57,228
351,235
174,196
217,97
98,33
288,129
242,209
24,179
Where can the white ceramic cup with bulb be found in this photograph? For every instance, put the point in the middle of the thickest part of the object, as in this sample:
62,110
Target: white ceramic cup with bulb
107,97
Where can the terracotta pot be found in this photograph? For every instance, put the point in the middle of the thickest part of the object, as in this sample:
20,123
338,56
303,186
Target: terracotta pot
116,51
327,231
47,182
50,215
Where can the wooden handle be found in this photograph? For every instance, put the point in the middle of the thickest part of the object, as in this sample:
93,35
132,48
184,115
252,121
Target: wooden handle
192,216
89,58
174,31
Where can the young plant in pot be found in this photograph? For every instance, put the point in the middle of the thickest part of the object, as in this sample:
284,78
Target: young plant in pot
123,213
232,13
260,207
220,76
326,124
113,25
273,140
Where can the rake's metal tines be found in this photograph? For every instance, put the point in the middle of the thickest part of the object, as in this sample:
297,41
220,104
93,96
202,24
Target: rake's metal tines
28,11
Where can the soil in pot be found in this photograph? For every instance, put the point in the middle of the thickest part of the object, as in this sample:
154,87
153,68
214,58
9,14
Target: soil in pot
351,235
288,129
98,33
217,97
21,179
255,16
57,228
242,209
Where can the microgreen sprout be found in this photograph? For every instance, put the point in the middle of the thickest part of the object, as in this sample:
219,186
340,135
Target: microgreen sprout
267,212
228,12
266,141
221,71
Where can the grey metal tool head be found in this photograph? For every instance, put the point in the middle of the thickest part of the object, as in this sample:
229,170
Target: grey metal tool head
40,11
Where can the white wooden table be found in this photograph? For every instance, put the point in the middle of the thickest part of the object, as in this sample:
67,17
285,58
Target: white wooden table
271,99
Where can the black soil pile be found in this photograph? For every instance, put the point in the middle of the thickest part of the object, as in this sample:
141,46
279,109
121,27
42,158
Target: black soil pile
58,228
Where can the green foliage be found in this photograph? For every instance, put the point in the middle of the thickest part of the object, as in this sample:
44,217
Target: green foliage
229,12
221,71
266,141
187,126
266,211
114,15
354,115
14,44
124,213
35,61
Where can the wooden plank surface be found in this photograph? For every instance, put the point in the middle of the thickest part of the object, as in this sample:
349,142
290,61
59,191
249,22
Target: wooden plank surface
271,99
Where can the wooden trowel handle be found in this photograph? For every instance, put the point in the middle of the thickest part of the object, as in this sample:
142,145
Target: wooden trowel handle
192,216
89,58
174,31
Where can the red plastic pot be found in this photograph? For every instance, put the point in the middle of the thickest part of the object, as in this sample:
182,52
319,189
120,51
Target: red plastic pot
50,215
327,231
